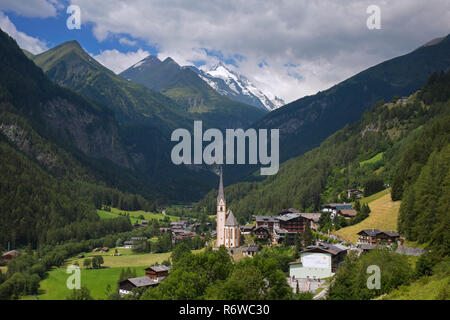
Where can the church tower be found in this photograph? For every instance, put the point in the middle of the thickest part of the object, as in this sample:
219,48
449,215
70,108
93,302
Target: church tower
221,214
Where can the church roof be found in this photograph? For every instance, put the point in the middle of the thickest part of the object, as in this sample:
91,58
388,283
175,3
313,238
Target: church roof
220,195
231,220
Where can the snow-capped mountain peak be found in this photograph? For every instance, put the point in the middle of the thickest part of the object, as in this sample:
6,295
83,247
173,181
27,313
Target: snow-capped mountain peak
237,87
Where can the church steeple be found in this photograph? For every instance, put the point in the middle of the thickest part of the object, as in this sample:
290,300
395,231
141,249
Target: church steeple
220,195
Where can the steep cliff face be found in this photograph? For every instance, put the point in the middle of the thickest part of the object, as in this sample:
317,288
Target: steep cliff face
96,136
54,112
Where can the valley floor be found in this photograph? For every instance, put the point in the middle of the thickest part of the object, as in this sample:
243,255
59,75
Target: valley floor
97,280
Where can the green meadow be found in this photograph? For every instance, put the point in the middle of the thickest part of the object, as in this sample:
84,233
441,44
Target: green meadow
374,159
134,215
54,286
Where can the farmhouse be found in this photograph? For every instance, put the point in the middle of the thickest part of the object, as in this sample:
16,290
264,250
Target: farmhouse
157,272
347,213
317,262
375,236
10,256
153,276
126,286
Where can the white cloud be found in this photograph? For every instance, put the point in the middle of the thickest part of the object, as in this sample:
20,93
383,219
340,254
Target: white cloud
24,41
119,61
127,42
31,8
327,40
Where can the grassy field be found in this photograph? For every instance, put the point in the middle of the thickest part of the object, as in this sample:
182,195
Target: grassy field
426,288
134,215
376,158
383,216
54,286
373,197
127,259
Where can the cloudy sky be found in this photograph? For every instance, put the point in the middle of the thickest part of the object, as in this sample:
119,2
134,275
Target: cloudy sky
291,48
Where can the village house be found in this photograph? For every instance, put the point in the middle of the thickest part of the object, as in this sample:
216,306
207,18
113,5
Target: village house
247,229
181,236
267,222
177,225
126,286
137,225
313,218
262,234
347,213
377,237
250,251
318,262
288,226
127,244
153,276
402,101
335,207
10,256
358,194
158,272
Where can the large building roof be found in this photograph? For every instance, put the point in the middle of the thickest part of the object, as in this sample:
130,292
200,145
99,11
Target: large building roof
265,218
289,216
327,248
370,232
312,216
348,212
231,220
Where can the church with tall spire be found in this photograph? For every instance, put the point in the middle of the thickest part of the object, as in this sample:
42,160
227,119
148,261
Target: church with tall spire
227,225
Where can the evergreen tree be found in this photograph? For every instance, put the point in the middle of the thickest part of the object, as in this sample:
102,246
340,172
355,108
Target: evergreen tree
308,235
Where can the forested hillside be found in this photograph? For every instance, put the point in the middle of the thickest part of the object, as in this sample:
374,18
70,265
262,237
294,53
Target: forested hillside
54,146
382,148
145,117
305,123
422,179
